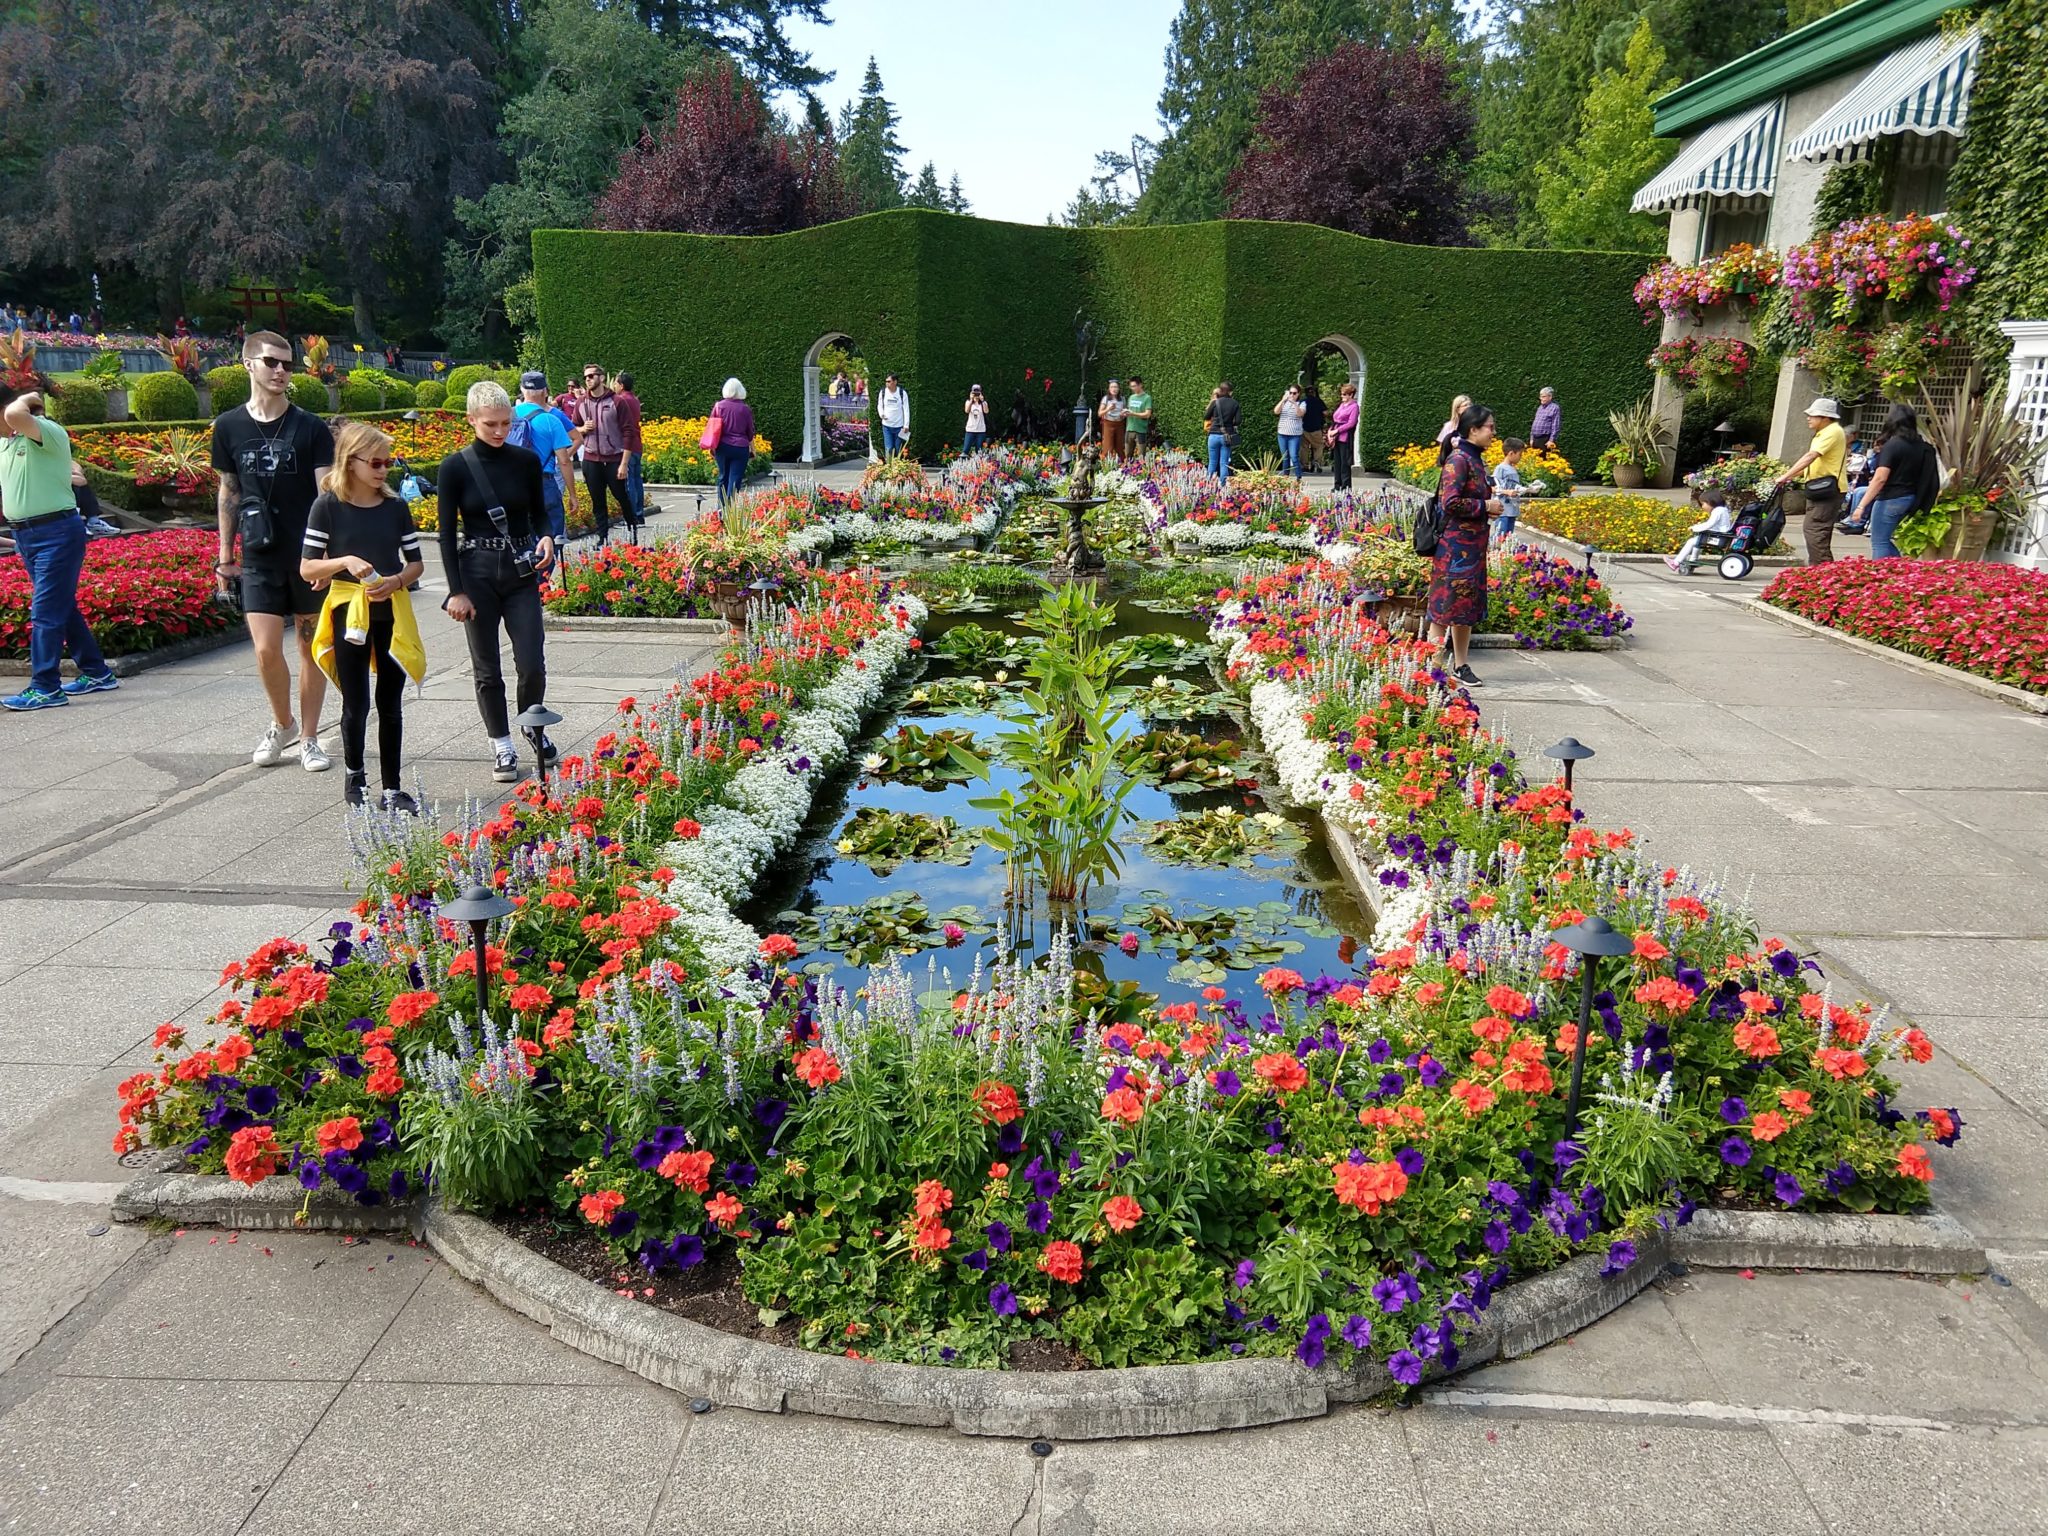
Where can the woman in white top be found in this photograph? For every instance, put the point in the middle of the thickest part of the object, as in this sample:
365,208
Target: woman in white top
977,422
893,408
1291,410
1110,412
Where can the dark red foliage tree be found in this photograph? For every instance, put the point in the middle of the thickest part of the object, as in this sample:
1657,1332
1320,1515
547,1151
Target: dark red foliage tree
724,166
1372,140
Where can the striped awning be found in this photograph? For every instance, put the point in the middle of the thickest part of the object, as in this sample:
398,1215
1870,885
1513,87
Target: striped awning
1923,88
1737,157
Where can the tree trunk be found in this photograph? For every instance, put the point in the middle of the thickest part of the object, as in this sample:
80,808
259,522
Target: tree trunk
366,322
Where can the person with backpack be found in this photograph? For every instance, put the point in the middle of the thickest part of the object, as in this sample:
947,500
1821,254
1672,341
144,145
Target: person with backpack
609,421
495,546
538,428
1907,480
1457,575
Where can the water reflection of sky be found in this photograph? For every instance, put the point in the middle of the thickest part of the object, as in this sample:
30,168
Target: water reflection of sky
1301,892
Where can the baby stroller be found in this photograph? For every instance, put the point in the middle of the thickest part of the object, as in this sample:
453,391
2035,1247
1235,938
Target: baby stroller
1757,526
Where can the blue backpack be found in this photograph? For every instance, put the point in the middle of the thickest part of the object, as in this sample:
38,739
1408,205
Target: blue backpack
521,435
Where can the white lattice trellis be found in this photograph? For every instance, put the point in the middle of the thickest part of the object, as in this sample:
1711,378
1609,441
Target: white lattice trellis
2027,395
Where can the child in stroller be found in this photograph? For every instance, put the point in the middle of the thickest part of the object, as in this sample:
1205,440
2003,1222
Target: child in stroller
1738,538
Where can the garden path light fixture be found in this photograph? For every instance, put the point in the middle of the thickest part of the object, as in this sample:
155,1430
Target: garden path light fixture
479,906
533,724
1591,939
1570,750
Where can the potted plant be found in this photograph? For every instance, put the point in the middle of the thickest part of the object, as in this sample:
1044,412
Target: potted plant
730,551
1989,462
1643,438
182,467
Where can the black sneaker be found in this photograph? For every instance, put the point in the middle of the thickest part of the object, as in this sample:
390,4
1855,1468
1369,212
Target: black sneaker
355,787
399,800
549,752
506,768
1468,677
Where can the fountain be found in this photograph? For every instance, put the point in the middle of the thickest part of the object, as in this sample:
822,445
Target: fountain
1078,560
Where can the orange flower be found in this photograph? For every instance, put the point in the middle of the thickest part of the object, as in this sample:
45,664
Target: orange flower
1125,1105
1062,1261
1493,1028
1649,947
1839,1064
997,1102
253,1154
687,1170
817,1067
1506,1000
723,1209
343,1135
1758,1040
1796,1102
1122,1213
931,1199
231,1053
408,1007
1769,1125
932,1236
600,1207
1282,1070
1667,994
778,946
1526,1071
1369,1186
1280,981
1476,1097
1913,1163
1917,1047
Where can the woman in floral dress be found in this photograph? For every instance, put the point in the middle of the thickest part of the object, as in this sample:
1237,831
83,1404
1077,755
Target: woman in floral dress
1457,576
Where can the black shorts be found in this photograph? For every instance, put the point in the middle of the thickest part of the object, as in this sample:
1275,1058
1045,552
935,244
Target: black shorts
272,586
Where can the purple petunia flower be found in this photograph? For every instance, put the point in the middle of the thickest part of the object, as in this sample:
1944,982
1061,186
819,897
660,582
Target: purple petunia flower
1002,1300
1735,1152
1038,1217
977,1260
1010,1139
1409,1161
1379,1052
1405,1367
1246,1272
1357,1331
1789,1189
1734,1111
1433,1072
1619,1257
998,1236
1315,1341
1565,1153
1226,1083
1496,1237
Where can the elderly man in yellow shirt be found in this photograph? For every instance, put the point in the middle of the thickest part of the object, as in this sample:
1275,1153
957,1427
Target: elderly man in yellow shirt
1822,471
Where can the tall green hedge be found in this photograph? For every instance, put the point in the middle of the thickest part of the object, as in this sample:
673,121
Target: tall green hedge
947,301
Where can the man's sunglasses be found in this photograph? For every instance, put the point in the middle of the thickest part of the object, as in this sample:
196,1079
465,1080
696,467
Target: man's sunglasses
271,362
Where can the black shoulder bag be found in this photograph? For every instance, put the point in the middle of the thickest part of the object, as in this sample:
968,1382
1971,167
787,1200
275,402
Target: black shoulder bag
259,526
525,556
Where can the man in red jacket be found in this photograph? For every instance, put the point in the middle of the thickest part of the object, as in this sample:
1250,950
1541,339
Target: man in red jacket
610,421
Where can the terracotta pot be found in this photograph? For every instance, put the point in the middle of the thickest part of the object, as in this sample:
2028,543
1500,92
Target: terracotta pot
730,598
1968,537
1401,615
1629,477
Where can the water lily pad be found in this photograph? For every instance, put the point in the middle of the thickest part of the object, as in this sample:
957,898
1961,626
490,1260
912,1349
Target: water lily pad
883,839
1224,838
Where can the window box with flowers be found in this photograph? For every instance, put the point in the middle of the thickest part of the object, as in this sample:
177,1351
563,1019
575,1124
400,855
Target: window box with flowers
1742,276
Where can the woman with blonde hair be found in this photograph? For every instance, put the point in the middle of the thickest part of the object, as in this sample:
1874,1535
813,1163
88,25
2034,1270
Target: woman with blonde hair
1447,434
361,547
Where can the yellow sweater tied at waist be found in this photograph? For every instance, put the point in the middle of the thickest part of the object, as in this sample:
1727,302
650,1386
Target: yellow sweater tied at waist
353,596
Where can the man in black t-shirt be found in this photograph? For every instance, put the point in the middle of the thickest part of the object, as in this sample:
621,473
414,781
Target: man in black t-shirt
269,454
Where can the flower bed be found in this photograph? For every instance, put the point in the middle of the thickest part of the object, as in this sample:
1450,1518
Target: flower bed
671,453
139,592
1621,525
1991,620
1543,474
1549,604
1740,273
652,581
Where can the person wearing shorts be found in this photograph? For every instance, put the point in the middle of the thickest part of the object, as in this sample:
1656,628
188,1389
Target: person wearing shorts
269,454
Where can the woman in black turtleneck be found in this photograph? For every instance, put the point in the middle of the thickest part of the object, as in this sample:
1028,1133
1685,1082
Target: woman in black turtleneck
485,586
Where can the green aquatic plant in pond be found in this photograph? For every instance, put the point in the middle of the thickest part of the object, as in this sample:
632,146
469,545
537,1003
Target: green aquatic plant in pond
914,755
1152,651
1181,760
1222,837
868,932
1172,698
960,695
1208,942
884,839
972,646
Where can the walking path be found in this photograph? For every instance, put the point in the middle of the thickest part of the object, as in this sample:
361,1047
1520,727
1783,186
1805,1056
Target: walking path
204,1382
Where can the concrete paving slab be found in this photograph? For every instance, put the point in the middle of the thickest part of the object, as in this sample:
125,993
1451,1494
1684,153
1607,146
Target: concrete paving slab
176,862
1991,1180
452,1331
195,935
2011,1050
1986,746
791,1473
1347,1475
1941,975
70,1135
1508,1475
1638,1351
49,1263
34,929
26,1091
399,1459
1948,1349
1920,1480
255,1307
173,1458
89,1015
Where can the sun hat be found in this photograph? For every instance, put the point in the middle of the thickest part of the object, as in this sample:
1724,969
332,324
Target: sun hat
533,378
1824,406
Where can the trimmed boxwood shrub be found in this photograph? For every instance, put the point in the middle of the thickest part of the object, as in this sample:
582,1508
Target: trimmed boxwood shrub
309,394
227,386
429,394
163,397
368,389
461,378
947,301
79,403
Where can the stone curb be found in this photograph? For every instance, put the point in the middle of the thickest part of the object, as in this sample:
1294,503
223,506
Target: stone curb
698,1361
592,624
2005,693
142,661
1579,551
1510,643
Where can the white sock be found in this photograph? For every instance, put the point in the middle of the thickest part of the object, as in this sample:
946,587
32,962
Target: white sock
504,744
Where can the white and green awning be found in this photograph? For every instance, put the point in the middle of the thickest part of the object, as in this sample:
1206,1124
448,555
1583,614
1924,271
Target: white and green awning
1737,157
1924,88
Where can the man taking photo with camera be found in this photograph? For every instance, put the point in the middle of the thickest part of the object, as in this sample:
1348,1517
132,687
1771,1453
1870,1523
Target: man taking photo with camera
495,545
270,454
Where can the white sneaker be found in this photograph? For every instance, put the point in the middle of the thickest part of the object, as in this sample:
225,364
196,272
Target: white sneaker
313,757
270,750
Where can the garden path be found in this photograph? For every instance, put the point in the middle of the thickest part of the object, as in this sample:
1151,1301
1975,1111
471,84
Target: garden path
202,1383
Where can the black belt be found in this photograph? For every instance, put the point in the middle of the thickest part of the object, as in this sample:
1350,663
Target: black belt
41,517
491,543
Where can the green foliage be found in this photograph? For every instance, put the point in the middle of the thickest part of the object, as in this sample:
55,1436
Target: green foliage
1583,192
82,400
227,386
309,394
1853,190
106,366
1990,193
429,394
371,389
1156,1305
870,155
948,302
163,396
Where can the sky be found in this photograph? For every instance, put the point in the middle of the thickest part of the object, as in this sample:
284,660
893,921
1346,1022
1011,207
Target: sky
1016,96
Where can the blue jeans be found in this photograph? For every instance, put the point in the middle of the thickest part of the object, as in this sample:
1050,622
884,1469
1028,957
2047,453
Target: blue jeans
732,468
1503,528
636,488
52,551
1219,457
970,442
1885,517
1290,454
892,439
558,512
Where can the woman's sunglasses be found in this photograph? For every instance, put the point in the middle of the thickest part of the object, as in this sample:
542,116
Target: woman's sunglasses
380,465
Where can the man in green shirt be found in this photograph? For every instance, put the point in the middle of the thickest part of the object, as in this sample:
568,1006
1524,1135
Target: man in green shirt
1137,418
42,514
